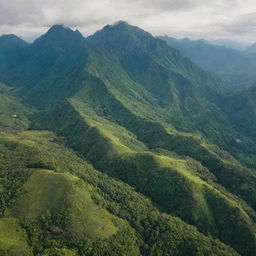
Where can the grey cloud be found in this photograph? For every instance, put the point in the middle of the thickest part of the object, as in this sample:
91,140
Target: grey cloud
173,5
242,24
195,18
16,12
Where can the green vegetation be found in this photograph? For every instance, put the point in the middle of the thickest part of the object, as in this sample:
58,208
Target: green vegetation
13,114
169,182
59,252
127,150
86,218
13,239
51,203
234,67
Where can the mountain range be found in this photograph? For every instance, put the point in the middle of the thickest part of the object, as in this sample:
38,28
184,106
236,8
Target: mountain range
230,44
118,144
235,67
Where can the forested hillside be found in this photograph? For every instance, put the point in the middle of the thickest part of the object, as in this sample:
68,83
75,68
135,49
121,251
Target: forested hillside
235,67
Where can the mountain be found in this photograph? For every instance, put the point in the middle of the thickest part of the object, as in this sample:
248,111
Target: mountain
241,46
121,146
47,57
10,51
13,113
235,67
251,49
241,108
210,57
10,43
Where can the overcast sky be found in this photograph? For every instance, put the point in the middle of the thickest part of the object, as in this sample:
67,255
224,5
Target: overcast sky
209,19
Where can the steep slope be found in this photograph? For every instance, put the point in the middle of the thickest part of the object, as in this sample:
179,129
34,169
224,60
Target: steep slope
45,67
234,66
166,80
150,78
14,115
11,48
241,108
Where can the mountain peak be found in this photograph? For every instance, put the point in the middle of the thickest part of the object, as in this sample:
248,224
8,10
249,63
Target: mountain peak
58,27
59,34
12,39
122,33
251,49
120,23
9,36
10,43
125,26
117,24
61,30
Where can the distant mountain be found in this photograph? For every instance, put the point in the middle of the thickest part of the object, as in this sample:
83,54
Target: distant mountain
11,46
58,53
242,109
208,56
230,44
235,67
251,49
117,144
10,43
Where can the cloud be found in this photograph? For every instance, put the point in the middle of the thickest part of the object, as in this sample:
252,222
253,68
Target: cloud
193,18
242,24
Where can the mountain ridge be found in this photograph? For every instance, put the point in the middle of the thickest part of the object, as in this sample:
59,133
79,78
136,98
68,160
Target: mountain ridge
10,41
234,66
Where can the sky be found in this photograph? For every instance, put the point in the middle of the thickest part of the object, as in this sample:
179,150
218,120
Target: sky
208,19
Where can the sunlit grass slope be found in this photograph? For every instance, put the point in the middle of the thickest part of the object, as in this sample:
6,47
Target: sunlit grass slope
62,204
54,192
13,239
